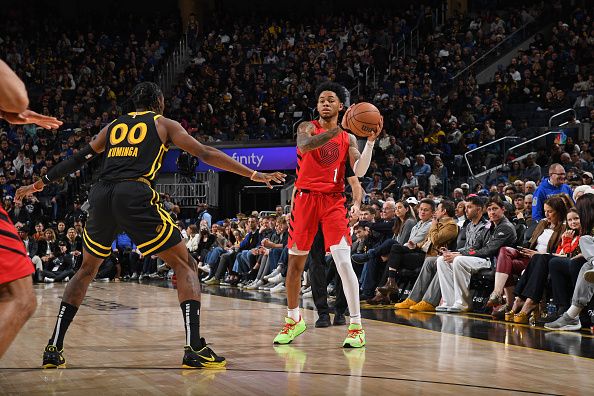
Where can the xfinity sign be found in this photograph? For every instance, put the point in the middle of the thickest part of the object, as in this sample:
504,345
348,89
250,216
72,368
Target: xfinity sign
258,158
252,160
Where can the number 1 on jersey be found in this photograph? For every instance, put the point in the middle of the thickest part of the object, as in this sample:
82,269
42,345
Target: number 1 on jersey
335,174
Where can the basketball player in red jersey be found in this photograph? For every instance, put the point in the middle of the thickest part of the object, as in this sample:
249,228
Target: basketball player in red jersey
323,148
17,300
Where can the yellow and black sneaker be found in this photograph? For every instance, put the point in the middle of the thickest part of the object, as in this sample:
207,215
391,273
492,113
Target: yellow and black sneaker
52,358
204,358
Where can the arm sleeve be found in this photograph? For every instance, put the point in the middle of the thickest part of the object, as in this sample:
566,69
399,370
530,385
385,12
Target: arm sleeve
362,164
70,165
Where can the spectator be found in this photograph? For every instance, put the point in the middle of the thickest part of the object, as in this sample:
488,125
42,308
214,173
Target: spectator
455,268
548,187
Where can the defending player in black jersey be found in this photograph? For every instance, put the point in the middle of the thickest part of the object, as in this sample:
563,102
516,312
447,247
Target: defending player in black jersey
124,199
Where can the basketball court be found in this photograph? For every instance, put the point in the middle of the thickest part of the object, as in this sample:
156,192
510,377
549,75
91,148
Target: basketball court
127,338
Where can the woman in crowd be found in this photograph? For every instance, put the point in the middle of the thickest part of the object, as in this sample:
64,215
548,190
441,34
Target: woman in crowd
47,247
584,290
512,261
530,287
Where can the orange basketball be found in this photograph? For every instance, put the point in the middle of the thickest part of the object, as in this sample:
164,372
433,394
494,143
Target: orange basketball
361,119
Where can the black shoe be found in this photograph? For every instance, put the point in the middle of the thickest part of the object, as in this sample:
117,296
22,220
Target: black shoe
323,320
204,358
339,320
52,358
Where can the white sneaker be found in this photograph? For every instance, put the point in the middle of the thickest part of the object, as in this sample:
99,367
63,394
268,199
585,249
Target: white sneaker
102,279
442,308
134,276
306,290
272,274
308,294
255,285
48,280
278,278
67,279
304,279
280,288
154,275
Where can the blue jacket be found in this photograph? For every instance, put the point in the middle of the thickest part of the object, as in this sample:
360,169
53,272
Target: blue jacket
542,193
122,242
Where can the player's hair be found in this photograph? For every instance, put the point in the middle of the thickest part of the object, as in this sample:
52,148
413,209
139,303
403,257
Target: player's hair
146,96
338,89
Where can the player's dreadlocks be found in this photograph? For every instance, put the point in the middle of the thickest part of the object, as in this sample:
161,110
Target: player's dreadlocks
146,96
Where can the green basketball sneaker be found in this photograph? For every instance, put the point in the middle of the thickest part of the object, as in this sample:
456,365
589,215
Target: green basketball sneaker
290,331
355,338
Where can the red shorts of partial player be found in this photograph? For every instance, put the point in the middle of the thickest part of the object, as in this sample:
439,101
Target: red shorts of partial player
311,209
14,262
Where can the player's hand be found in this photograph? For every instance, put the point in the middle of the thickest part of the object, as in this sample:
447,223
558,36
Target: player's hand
266,178
378,130
25,191
355,211
31,117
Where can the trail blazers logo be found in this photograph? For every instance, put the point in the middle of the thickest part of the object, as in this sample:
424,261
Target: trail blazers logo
328,153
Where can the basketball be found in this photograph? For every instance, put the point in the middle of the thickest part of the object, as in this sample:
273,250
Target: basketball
361,119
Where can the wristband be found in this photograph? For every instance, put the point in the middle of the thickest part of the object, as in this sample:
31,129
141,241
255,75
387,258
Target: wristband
253,174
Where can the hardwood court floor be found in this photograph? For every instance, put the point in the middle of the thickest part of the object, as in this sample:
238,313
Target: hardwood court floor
127,339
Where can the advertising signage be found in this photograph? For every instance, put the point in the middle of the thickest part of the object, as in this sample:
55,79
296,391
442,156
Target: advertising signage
258,158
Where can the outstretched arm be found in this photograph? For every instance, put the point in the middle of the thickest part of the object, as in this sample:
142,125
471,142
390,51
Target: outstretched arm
13,94
307,141
87,153
14,102
178,135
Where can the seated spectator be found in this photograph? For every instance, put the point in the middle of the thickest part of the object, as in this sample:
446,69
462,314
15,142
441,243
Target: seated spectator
530,287
61,267
455,268
426,294
512,261
584,289
410,254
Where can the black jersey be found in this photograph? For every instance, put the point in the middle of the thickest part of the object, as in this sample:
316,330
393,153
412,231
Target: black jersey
133,148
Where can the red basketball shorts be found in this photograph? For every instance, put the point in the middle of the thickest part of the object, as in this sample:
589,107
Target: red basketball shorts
14,262
311,209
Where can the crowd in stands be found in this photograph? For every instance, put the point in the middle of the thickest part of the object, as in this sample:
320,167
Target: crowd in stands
419,226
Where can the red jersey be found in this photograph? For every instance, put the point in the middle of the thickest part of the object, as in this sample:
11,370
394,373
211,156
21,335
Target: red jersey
323,169
14,261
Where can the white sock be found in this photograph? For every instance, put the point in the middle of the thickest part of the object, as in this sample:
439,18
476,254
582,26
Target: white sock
294,314
350,284
573,312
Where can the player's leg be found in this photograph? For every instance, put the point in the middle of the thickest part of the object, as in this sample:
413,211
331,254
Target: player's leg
303,226
73,296
17,304
98,234
336,235
197,354
294,323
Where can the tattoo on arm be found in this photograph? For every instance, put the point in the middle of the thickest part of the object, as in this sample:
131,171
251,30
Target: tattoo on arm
307,142
354,153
